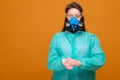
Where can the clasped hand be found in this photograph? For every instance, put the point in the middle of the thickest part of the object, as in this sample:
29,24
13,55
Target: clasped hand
69,63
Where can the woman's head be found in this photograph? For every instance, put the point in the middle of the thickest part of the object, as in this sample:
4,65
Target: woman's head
74,10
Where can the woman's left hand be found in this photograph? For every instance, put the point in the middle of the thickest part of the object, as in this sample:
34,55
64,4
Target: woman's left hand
74,62
69,63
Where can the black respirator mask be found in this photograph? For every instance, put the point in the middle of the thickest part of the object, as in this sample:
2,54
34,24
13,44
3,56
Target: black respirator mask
74,25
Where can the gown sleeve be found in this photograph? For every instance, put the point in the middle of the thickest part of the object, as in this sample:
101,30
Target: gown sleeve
97,57
54,60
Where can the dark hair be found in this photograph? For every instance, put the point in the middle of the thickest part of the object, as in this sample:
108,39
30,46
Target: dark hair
78,7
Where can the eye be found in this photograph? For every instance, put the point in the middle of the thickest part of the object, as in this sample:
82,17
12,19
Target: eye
77,15
69,15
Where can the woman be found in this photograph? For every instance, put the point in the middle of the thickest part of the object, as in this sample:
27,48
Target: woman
75,54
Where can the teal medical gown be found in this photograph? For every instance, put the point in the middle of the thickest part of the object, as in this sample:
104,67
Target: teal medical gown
82,46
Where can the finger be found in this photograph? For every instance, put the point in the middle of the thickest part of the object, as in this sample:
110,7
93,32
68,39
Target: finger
69,67
74,63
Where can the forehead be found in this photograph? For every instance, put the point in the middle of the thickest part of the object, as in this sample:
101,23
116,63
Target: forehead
73,11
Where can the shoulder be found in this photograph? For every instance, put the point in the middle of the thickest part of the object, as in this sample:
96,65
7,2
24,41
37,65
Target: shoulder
90,34
58,34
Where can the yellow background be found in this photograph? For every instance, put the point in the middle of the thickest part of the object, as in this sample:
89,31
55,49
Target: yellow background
27,26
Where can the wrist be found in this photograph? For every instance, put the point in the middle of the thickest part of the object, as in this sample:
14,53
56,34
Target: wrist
63,60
